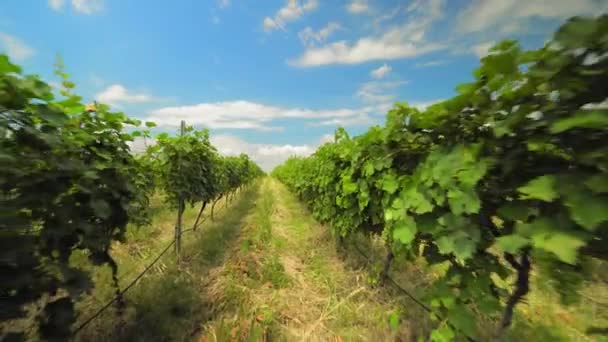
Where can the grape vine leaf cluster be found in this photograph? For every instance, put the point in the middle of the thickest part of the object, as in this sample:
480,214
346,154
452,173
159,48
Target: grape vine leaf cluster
511,172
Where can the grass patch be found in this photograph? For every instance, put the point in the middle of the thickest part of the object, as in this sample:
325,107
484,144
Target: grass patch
169,302
274,273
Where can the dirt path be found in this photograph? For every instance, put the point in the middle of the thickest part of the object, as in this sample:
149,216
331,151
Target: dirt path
285,281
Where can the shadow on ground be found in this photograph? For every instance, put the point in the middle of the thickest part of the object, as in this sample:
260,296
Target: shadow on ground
169,304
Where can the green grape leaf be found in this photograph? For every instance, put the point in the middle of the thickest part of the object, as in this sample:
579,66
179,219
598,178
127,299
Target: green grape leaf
512,243
405,230
598,183
514,211
150,124
348,186
582,119
389,183
7,67
472,173
488,305
368,168
462,319
51,115
542,188
563,244
462,202
399,203
416,201
585,208
458,243
443,334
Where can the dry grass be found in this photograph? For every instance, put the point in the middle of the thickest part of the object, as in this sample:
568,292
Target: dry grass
322,299
169,303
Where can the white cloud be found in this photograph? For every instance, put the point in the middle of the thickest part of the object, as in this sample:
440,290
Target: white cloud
358,6
382,71
481,49
394,44
309,37
248,115
362,119
87,6
292,11
402,41
378,92
223,3
422,105
56,4
140,144
80,6
117,94
427,10
483,15
387,16
14,47
431,63
325,138
267,156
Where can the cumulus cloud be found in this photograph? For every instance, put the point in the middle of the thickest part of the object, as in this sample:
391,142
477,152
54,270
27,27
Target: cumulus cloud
422,105
14,47
245,114
378,92
401,41
363,119
481,49
325,138
309,37
117,94
56,4
382,71
358,6
483,15
223,3
140,144
87,6
267,156
292,11
431,63
79,6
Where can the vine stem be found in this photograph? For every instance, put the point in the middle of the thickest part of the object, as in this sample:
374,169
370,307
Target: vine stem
200,213
213,207
522,286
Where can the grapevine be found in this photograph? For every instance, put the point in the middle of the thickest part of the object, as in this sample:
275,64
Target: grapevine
69,183
510,174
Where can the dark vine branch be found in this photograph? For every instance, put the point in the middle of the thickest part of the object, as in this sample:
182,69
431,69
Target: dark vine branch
522,286
198,217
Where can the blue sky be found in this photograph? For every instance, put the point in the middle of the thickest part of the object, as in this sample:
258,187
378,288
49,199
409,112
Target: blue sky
270,78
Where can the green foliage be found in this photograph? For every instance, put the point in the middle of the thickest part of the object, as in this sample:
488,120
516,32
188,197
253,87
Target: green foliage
186,165
68,182
524,145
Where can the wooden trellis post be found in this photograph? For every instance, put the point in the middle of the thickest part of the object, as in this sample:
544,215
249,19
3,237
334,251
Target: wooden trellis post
180,209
